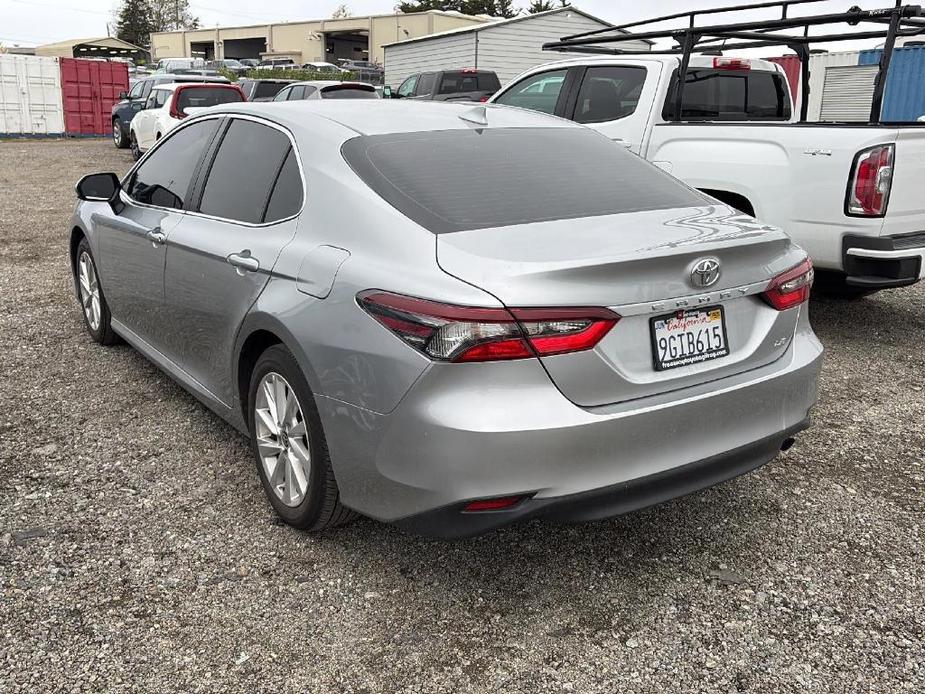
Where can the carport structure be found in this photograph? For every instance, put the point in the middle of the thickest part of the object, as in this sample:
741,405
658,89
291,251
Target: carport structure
103,47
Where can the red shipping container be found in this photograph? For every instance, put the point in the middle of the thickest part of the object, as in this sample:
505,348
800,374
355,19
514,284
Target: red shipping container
791,65
90,88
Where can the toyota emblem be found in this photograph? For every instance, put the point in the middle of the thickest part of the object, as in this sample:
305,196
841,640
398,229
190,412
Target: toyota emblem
705,273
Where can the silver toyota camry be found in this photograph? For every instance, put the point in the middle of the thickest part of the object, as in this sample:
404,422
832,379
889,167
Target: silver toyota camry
450,317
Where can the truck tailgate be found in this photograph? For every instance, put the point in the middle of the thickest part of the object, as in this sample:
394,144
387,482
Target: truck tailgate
905,212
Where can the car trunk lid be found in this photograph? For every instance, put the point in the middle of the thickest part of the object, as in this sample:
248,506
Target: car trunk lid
640,265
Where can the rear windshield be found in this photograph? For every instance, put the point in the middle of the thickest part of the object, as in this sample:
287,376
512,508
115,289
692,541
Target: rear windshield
353,91
454,180
267,90
459,82
206,96
730,95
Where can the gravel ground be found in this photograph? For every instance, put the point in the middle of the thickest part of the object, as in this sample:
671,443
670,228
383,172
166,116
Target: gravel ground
137,551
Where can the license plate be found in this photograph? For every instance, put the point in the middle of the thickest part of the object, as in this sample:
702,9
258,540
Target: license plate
688,337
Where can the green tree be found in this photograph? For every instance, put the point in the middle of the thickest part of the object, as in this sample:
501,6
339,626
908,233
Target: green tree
423,5
134,22
172,15
544,6
505,8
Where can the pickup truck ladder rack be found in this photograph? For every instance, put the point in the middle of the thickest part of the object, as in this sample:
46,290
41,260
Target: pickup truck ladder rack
889,23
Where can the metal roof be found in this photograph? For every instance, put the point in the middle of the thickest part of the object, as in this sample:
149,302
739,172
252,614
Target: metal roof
501,22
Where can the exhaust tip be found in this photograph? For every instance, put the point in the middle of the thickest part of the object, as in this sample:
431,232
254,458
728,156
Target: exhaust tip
787,444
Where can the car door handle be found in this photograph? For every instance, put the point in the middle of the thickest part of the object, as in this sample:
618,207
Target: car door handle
244,262
156,237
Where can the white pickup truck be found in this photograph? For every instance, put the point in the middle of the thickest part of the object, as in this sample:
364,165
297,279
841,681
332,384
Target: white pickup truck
852,195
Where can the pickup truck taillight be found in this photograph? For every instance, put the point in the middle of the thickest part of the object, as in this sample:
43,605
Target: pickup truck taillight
466,333
790,288
869,185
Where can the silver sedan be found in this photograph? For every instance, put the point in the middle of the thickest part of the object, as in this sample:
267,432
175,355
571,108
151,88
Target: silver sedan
450,317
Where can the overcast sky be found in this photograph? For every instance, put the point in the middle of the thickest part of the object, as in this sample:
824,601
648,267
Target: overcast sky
30,22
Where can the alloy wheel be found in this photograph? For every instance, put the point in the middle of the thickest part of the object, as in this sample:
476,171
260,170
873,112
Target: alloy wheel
89,290
282,439
117,134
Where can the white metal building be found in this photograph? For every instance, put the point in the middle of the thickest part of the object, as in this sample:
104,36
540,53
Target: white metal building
30,96
508,46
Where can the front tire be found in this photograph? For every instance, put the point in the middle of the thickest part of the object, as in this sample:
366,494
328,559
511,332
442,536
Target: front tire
118,134
833,286
136,152
289,447
92,301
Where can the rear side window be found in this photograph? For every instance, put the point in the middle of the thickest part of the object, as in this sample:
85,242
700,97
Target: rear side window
730,95
538,92
344,91
164,177
609,92
525,175
199,97
244,171
296,93
286,198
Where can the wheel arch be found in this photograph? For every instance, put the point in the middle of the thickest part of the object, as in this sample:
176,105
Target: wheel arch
259,332
77,235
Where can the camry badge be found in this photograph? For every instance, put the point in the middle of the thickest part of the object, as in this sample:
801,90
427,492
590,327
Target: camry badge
705,273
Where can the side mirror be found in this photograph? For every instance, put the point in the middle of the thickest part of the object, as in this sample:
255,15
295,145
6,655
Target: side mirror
123,96
100,187
387,92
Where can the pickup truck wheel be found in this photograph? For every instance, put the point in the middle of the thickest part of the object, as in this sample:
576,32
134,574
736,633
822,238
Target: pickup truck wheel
833,286
118,134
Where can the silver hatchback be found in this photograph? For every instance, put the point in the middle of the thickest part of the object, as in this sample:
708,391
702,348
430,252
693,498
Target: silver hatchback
450,317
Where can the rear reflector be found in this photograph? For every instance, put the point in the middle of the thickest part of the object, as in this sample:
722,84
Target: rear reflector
471,334
790,288
497,504
870,182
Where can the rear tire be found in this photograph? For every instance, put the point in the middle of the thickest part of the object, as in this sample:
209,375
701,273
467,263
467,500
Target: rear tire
832,285
287,440
92,300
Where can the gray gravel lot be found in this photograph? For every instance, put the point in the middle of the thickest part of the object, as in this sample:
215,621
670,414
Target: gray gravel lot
137,551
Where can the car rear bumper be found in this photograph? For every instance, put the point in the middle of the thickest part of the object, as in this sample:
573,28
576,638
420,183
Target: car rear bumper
475,431
880,262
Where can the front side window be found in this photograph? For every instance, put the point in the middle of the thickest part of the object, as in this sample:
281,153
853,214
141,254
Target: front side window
244,172
407,87
539,92
265,90
163,179
136,91
296,93
609,92
282,95
428,176
715,94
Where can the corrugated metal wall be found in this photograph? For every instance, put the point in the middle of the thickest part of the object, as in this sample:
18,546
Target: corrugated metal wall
30,96
442,53
847,93
904,99
509,49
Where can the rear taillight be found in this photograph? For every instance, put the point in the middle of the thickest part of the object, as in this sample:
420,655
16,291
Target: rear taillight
484,99
870,182
174,100
721,63
790,288
467,334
